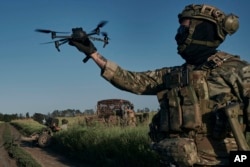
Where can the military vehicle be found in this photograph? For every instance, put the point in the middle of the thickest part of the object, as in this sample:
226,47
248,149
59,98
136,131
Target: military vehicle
43,138
115,112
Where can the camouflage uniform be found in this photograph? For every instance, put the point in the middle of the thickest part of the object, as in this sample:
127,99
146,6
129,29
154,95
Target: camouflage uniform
204,103
192,99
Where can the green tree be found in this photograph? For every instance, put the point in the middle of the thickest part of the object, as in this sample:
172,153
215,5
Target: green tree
27,115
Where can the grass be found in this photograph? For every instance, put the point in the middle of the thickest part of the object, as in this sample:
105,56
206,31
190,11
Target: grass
27,126
99,145
102,146
23,159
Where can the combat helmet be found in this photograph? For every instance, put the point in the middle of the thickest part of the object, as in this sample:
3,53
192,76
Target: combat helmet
225,23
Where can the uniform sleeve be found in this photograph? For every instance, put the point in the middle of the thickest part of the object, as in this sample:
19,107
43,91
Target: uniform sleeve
144,83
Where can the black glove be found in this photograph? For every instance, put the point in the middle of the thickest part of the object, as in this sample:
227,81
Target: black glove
81,41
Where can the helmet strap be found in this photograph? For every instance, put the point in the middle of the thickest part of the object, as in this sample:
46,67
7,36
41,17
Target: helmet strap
207,43
189,40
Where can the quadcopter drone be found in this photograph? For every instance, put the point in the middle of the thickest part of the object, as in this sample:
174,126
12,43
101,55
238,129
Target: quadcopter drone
77,35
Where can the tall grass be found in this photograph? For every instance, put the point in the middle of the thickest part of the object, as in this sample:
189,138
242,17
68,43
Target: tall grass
102,146
27,126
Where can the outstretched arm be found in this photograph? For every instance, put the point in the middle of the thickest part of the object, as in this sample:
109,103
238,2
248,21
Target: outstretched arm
147,83
99,59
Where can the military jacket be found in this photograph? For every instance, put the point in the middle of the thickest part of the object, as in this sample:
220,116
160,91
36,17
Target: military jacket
225,77
191,97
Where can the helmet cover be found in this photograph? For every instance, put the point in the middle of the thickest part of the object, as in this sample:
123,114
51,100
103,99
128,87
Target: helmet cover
226,24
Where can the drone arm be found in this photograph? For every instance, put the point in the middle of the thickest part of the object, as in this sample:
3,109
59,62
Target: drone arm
96,39
57,43
65,37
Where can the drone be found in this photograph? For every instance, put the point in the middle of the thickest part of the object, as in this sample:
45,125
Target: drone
77,35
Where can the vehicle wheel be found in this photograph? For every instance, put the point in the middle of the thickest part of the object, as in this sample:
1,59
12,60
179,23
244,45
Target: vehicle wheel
44,140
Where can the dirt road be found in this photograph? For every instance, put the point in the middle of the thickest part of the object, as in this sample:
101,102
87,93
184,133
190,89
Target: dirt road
5,160
45,157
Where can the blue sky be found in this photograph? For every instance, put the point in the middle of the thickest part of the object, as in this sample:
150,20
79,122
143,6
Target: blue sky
37,78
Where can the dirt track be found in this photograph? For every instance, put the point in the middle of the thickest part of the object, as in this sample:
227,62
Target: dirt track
5,160
45,157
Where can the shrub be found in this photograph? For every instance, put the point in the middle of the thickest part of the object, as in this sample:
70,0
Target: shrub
113,146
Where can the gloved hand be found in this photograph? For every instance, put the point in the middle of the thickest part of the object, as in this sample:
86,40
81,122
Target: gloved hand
81,41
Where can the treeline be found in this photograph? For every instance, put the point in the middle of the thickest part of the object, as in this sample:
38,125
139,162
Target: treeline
56,113
8,117
70,113
76,112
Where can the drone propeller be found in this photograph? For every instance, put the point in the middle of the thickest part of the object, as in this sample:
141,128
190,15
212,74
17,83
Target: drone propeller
49,31
53,33
106,39
101,24
97,29
58,43
60,40
105,35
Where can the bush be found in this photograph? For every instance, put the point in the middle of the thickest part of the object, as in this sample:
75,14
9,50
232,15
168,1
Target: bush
113,146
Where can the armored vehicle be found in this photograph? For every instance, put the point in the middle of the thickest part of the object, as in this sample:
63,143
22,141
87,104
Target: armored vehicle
113,112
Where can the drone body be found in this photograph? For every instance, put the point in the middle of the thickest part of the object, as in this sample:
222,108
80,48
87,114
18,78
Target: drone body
78,35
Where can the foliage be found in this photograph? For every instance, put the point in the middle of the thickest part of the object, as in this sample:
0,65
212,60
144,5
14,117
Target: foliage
23,159
8,117
65,113
102,146
27,126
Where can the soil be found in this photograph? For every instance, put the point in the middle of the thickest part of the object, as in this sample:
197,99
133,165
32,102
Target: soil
44,156
5,160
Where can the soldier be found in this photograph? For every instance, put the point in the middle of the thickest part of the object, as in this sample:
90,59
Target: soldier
130,116
201,100
64,125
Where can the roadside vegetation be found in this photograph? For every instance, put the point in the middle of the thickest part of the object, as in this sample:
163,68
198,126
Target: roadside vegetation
99,145
27,126
102,146
23,159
